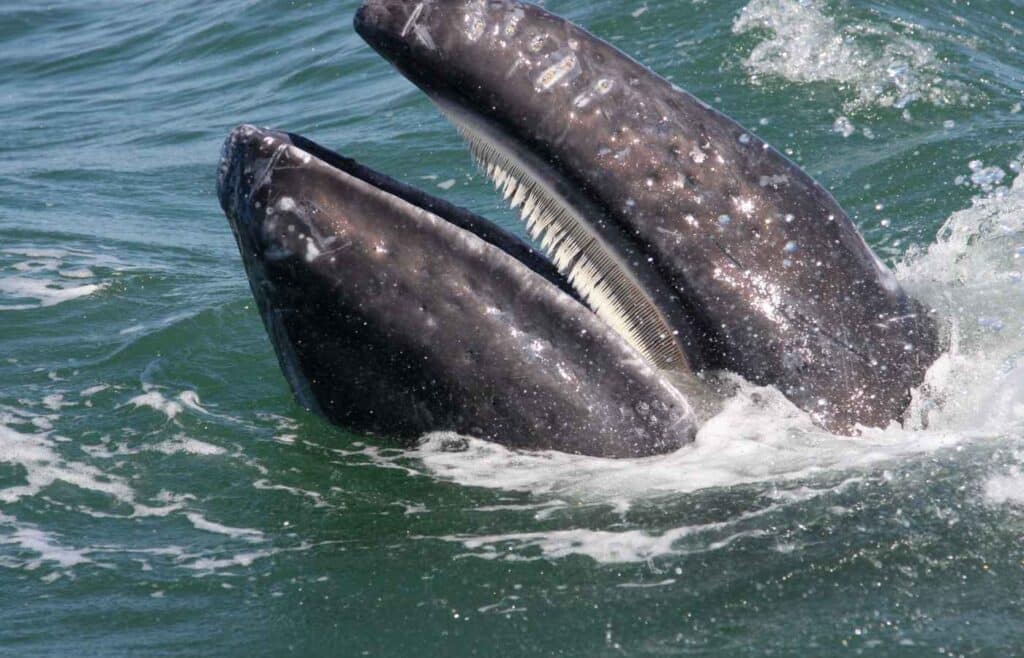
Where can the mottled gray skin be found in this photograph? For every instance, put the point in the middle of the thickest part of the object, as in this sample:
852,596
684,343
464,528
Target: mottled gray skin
772,273
391,320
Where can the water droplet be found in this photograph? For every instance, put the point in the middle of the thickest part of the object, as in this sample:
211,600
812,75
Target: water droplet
991,324
843,126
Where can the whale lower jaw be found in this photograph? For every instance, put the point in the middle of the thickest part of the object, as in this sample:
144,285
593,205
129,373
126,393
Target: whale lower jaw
396,314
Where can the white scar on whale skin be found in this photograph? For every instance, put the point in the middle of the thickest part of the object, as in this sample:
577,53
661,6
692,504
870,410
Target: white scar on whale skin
566,67
412,19
421,32
476,23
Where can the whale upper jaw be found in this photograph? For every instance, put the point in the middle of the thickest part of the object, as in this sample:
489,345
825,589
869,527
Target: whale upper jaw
712,244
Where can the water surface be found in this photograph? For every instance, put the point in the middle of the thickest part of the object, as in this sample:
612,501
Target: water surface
161,493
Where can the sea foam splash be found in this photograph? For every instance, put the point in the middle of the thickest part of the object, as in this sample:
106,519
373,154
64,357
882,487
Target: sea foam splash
1007,488
32,278
30,445
971,276
877,64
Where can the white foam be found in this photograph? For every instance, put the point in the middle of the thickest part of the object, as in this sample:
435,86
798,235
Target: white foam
266,485
93,390
245,559
45,293
202,523
36,266
663,583
186,445
609,547
52,276
178,445
843,126
207,565
44,544
971,277
190,400
84,273
373,456
984,178
767,441
800,42
37,253
43,466
158,402
1006,488
55,402
601,546
38,454
42,460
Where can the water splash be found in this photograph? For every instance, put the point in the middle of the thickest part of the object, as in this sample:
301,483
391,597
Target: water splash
32,277
874,63
971,278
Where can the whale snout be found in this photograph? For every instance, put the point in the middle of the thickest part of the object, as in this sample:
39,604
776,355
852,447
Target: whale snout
382,21
248,157
236,175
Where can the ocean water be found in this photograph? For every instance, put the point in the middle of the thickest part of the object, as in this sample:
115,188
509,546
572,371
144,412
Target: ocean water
162,495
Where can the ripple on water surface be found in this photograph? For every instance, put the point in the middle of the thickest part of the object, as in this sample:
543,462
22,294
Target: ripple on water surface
161,494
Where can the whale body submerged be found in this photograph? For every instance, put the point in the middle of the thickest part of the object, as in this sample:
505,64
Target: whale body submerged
672,244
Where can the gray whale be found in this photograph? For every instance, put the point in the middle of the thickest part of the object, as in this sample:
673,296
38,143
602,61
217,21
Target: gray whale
672,244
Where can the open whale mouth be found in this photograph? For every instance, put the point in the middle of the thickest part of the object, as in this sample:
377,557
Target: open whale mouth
571,256
670,242
702,245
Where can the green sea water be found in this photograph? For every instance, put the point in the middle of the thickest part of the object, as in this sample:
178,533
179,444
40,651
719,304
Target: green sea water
162,495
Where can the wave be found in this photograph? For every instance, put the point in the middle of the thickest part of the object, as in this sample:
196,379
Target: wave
877,64
971,277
